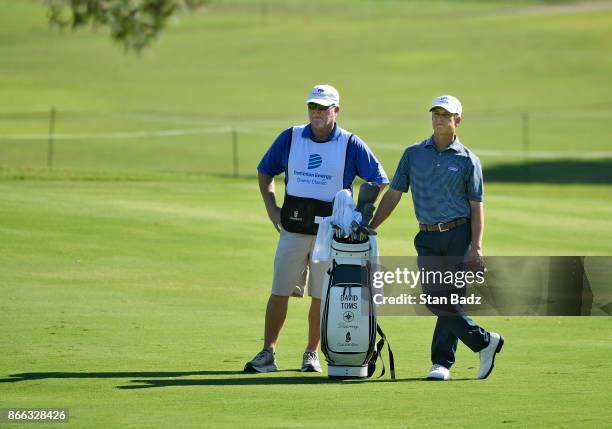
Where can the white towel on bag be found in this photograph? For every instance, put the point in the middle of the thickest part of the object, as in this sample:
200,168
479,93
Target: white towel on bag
343,215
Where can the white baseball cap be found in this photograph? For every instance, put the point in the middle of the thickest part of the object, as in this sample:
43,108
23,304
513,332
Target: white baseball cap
449,103
325,95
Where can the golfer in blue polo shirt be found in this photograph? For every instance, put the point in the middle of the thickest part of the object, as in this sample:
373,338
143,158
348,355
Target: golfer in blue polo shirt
447,191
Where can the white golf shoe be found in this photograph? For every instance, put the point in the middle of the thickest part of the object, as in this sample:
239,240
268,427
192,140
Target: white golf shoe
264,361
439,373
487,355
310,362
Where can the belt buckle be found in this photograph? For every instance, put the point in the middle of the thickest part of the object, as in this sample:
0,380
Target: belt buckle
440,227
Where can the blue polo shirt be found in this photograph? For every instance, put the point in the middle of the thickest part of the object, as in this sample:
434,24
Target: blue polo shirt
442,183
360,161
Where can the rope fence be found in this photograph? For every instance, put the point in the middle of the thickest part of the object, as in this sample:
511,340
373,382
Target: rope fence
219,145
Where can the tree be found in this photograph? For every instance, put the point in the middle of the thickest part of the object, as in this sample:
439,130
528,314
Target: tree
133,23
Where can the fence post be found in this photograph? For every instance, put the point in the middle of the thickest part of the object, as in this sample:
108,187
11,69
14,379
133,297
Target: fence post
235,150
525,132
50,140
263,11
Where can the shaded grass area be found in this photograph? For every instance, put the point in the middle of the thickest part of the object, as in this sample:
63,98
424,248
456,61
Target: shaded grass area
566,171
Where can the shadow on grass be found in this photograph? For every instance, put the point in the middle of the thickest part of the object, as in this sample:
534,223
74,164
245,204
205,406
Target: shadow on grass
26,376
554,171
267,381
246,380
564,171
257,380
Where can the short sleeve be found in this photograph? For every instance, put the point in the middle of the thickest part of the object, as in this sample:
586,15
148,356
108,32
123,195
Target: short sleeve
275,160
401,178
475,186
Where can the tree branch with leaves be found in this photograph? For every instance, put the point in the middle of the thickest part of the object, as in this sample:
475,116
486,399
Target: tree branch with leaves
133,23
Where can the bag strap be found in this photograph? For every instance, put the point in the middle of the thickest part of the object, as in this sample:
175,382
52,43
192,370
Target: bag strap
331,273
378,353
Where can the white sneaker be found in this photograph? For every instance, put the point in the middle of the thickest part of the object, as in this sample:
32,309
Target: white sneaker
264,361
487,355
438,372
310,362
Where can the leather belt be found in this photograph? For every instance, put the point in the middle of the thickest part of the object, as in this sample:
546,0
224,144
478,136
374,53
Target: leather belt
441,227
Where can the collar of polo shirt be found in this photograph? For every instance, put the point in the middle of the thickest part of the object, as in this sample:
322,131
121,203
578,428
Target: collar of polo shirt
455,145
335,133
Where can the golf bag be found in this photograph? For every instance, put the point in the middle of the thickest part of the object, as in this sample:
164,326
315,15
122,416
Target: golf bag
348,313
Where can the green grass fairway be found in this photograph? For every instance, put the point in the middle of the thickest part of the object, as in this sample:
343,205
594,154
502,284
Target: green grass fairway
136,304
134,273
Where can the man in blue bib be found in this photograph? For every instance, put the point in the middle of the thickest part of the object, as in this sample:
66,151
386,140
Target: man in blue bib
447,192
318,160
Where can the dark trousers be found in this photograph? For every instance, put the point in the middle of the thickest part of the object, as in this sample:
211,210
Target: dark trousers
444,251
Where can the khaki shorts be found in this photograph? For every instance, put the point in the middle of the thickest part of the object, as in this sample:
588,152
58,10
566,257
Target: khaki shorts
293,268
